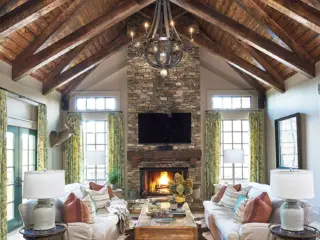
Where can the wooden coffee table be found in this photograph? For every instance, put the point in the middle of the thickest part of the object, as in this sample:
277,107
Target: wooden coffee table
180,228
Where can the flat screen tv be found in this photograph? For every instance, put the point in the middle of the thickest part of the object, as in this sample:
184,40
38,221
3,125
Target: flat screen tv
157,128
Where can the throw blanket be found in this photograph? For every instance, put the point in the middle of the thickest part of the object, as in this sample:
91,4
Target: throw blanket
119,207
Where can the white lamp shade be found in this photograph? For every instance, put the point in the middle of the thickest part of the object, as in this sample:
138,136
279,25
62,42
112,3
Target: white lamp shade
292,184
95,158
43,184
233,156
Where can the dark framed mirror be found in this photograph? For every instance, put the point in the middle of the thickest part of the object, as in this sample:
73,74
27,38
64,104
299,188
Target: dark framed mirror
288,142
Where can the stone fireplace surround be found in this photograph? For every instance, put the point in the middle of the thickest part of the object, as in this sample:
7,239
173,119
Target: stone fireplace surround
138,160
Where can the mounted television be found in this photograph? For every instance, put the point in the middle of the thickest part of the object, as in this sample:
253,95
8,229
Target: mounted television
159,128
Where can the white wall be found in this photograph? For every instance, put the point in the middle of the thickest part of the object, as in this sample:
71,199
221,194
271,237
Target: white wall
31,88
301,96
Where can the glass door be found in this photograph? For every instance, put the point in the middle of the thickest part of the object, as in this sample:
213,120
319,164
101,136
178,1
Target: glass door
21,157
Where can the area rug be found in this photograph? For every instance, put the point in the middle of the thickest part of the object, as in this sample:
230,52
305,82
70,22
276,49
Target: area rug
203,231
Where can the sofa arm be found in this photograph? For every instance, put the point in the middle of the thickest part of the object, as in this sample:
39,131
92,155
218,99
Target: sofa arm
253,231
79,231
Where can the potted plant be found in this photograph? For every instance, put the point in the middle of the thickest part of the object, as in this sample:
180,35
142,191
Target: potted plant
180,188
114,176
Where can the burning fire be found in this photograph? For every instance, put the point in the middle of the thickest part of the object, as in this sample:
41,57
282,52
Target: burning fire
164,178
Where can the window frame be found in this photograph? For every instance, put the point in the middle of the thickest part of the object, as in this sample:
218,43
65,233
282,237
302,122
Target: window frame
94,94
234,96
222,167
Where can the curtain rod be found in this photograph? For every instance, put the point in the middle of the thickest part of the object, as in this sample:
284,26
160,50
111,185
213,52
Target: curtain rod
95,112
21,96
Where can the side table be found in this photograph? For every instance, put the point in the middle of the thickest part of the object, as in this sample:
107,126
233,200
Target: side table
30,234
309,233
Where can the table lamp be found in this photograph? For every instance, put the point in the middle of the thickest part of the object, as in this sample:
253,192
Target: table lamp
43,186
292,186
95,158
233,156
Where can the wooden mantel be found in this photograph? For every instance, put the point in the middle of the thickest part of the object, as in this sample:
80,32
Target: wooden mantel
183,155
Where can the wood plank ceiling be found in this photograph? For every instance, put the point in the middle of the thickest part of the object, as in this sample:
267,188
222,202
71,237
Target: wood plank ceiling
59,42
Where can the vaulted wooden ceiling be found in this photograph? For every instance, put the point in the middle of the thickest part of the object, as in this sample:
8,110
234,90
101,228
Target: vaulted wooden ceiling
60,42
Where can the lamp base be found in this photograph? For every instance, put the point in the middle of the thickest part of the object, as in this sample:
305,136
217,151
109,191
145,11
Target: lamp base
292,216
44,213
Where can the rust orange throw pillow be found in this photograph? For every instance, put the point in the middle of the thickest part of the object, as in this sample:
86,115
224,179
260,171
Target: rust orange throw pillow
257,210
223,189
75,210
97,187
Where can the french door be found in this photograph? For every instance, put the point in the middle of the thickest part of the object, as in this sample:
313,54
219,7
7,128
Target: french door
21,157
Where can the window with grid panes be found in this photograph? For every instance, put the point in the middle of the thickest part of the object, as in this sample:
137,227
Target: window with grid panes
95,103
95,139
231,102
235,134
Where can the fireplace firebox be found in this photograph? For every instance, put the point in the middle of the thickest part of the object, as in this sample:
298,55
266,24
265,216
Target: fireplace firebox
155,181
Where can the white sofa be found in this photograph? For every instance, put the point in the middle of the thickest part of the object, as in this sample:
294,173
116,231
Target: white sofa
104,228
220,221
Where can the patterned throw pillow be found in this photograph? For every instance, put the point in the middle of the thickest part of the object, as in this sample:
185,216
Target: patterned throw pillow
230,197
98,187
239,208
220,190
75,210
256,210
100,198
91,207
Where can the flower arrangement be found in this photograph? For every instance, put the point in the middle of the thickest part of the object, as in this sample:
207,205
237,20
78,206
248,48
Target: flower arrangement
180,188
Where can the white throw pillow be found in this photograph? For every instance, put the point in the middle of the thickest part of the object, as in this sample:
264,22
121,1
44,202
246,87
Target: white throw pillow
92,208
100,198
229,197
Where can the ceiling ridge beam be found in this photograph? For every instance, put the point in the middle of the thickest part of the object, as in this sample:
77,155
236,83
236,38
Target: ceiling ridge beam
25,14
267,22
83,34
297,10
71,73
248,36
51,29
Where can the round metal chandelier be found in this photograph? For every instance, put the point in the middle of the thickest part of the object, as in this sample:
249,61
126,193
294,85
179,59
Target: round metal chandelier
162,47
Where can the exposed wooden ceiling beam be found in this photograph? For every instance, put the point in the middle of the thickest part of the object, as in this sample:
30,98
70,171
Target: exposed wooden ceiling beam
265,20
118,14
297,10
76,82
26,13
52,28
87,64
248,36
250,80
204,42
315,4
2,4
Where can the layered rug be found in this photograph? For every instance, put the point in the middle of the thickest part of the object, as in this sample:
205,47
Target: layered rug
203,231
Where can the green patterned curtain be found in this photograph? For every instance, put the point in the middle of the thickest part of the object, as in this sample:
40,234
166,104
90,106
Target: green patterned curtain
257,162
42,151
212,151
73,148
116,144
3,165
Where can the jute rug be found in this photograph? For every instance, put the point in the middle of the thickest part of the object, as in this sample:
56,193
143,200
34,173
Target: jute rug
203,231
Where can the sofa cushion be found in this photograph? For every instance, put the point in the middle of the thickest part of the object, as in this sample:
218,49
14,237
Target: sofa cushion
230,197
265,197
238,214
228,229
104,226
75,210
256,210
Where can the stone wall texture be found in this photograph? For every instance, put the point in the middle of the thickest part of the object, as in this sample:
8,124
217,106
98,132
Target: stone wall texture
149,92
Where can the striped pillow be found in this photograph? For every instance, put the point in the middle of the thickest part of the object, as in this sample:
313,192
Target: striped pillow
230,197
100,198
75,210
238,214
92,208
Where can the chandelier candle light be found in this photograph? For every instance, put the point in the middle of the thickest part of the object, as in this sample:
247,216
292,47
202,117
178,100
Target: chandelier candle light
162,46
